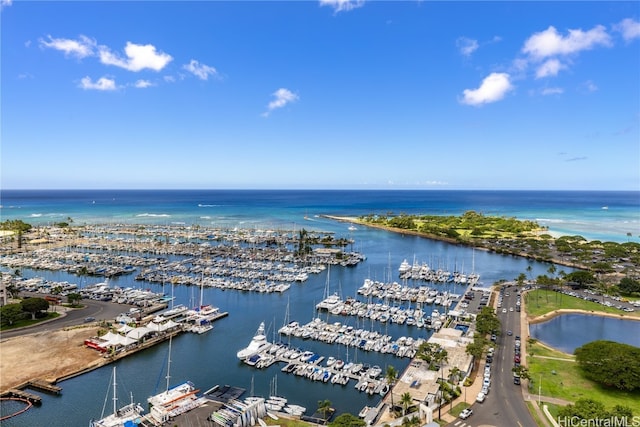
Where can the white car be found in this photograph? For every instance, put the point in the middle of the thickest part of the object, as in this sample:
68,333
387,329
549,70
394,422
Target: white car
466,413
504,310
481,397
485,390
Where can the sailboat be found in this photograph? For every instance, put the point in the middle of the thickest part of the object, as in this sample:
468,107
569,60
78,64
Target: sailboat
330,301
128,416
200,318
173,401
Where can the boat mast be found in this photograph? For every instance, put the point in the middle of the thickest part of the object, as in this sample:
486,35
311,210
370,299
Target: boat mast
115,397
169,363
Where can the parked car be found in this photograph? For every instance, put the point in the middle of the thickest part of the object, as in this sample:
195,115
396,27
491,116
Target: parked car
480,398
466,413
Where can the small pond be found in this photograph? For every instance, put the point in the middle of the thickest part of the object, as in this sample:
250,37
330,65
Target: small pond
567,332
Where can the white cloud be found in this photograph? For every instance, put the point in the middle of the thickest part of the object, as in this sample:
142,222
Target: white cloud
138,58
493,88
141,84
466,45
5,3
200,70
590,86
549,43
103,84
80,48
551,67
552,91
629,28
342,5
282,98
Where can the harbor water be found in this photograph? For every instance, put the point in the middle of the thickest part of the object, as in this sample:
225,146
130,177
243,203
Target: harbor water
210,359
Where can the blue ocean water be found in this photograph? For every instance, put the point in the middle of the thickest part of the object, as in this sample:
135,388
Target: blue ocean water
595,215
210,358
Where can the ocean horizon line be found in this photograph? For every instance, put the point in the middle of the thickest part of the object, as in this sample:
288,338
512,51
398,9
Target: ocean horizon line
330,189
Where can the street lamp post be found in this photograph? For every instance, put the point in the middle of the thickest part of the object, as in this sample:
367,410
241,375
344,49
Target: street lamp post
539,389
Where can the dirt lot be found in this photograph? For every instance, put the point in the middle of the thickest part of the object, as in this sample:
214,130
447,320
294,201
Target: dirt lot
48,355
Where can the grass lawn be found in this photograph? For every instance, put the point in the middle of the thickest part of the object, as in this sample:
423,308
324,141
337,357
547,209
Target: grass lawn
455,411
542,301
28,322
285,422
563,379
532,410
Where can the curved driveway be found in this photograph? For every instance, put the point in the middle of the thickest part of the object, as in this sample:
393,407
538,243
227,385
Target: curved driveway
100,310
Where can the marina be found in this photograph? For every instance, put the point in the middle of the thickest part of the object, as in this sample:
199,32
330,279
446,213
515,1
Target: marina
210,358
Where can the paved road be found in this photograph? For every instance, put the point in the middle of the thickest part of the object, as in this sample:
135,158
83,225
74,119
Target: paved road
504,406
100,310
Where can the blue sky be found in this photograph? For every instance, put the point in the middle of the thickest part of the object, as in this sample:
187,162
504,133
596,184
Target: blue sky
326,94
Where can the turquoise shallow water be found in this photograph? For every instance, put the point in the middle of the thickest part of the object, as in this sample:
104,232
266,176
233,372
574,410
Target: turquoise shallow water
210,359
608,216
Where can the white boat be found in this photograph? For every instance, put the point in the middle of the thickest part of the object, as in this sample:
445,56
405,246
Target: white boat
296,410
404,267
128,416
258,343
173,401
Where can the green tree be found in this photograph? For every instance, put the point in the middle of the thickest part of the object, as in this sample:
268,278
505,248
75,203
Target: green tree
12,290
74,298
11,313
454,375
34,306
583,409
487,321
405,400
582,278
391,376
522,372
629,286
82,272
347,420
324,406
432,353
610,363
476,348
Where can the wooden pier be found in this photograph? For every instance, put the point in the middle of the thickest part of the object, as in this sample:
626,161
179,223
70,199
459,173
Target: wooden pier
44,386
30,397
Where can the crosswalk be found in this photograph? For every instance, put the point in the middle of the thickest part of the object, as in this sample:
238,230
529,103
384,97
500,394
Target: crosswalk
461,423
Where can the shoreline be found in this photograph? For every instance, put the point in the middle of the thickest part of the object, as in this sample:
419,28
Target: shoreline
559,312
449,240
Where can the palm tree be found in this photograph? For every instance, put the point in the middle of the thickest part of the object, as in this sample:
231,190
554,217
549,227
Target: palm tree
406,401
82,272
454,374
324,406
391,375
